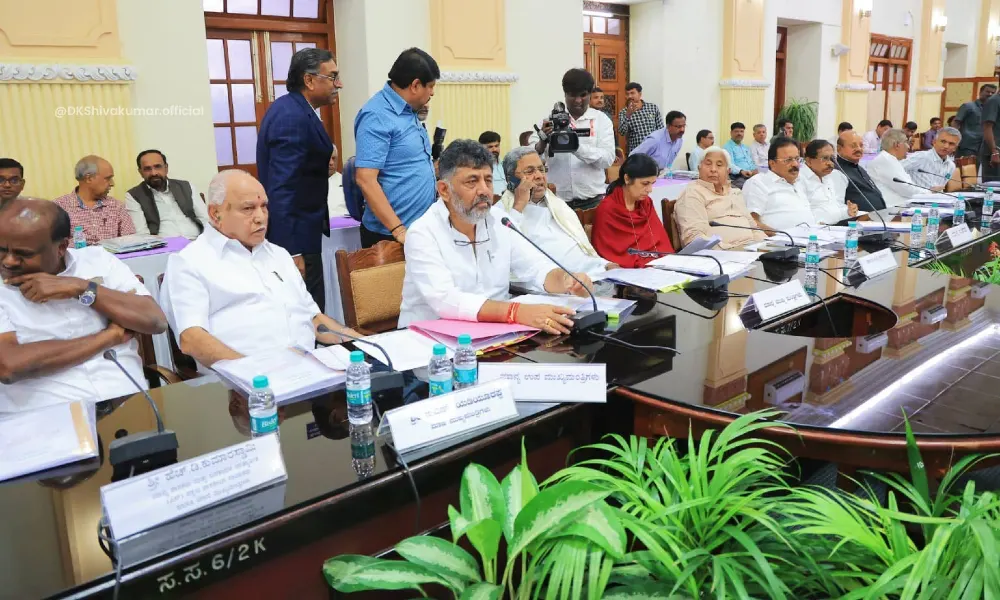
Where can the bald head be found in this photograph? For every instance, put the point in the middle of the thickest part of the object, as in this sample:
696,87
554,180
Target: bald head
237,207
95,178
850,147
34,236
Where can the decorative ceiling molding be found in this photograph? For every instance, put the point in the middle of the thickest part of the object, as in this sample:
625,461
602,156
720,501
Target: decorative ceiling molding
855,87
51,73
930,90
753,84
478,77
620,10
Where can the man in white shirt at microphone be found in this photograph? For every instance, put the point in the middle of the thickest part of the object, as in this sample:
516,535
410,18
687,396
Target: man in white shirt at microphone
61,309
935,168
231,293
773,198
460,258
887,167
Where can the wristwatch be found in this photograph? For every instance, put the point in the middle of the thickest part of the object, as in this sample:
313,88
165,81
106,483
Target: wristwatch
88,297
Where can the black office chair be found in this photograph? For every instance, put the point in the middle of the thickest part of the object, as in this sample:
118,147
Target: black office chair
687,160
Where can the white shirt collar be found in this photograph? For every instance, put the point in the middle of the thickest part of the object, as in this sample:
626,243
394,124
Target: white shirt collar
220,243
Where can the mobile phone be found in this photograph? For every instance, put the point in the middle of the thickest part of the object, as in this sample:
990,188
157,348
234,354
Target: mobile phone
512,182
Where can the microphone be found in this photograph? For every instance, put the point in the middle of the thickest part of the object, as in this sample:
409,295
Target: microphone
705,282
945,177
583,320
898,180
438,146
885,228
379,380
790,253
136,451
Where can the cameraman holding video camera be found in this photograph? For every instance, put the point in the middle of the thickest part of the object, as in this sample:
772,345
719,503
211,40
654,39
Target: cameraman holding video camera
579,143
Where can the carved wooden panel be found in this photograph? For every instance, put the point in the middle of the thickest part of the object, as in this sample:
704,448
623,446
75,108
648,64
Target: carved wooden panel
746,27
469,34
53,27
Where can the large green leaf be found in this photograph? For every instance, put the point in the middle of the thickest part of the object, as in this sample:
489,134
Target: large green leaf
440,556
485,538
482,591
650,591
551,509
518,488
599,524
363,573
459,524
480,496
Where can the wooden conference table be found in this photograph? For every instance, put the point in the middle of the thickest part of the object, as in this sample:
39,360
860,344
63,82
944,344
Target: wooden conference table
273,543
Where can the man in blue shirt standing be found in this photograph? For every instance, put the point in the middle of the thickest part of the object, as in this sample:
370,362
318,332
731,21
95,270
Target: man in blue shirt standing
394,168
665,144
293,157
742,166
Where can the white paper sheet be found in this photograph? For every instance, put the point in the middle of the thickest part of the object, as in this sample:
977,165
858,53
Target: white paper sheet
615,306
45,438
290,373
407,349
650,279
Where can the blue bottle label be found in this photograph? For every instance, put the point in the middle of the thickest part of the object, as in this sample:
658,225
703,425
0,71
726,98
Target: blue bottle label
465,376
260,425
359,397
363,450
439,387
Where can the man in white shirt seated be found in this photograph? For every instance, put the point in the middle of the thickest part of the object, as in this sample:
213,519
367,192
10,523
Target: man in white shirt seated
772,198
161,206
460,259
873,139
61,309
824,191
544,217
231,293
887,166
335,196
759,146
935,168
580,176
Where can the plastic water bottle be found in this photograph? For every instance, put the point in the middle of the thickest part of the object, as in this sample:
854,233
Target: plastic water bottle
851,244
959,217
263,410
670,172
362,449
466,364
933,226
79,238
812,264
916,232
987,216
439,371
359,390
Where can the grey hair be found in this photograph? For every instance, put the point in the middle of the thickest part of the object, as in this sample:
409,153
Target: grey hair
85,167
305,61
719,150
514,157
463,153
758,125
951,131
220,184
893,137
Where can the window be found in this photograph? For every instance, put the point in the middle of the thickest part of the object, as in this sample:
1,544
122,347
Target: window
889,61
299,9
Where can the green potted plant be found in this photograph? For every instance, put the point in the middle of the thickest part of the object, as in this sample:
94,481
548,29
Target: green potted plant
803,115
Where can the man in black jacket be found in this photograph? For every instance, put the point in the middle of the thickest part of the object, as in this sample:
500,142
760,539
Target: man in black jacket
161,206
861,189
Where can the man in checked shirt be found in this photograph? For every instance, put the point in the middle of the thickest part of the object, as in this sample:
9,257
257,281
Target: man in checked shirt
638,119
89,205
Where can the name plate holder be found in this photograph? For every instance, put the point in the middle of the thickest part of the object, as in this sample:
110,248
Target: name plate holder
877,263
439,418
532,382
958,235
776,301
140,503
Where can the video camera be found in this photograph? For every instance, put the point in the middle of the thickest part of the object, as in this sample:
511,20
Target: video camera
564,137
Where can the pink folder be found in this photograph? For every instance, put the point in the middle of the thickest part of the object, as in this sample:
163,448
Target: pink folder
485,336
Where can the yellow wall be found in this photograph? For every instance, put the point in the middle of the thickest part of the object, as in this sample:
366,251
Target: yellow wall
742,91
853,88
929,88
989,23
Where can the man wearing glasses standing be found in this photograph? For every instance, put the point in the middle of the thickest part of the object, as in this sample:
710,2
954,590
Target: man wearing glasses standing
773,197
11,180
293,156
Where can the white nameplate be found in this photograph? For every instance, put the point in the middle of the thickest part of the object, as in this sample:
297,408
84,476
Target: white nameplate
877,263
551,382
145,501
440,417
959,234
779,299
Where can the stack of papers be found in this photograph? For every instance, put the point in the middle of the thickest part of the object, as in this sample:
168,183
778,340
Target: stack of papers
485,336
800,235
45,438
407,349
292,374
132,243
735,263
944,211
611,306
653,279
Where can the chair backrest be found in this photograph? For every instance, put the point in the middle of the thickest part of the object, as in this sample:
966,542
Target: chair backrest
916,141
670,224
619,156
184,365
587,220
687,160
524,137
611,173
371,285
966,168
146,352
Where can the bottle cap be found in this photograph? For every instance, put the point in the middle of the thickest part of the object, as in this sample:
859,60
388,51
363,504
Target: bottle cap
465,339
357,356
916,211
78,228
260,382
853,225
989,189
934,205
813,238
440,350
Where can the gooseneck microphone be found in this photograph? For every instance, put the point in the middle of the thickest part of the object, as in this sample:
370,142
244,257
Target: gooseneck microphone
885,227
325,329
788,254
380,380
583,320
705,282
898,180
129,454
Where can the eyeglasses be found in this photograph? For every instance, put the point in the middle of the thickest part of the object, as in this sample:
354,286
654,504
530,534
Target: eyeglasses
532,170
15,180
334,78
791,160
465,243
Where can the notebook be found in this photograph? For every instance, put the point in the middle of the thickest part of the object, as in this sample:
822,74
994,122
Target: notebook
485,336
47,437
292,374
132,243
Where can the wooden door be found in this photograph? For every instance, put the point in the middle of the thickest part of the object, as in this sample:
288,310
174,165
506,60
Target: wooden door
237,88
779,71
606,58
